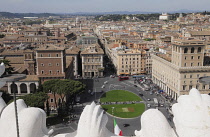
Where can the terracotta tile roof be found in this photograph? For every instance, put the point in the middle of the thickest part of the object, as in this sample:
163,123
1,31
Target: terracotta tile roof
30,78
50,47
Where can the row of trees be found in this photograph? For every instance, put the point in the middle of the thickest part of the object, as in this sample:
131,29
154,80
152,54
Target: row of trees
64,88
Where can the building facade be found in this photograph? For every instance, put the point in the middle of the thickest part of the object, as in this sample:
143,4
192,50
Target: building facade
180,73
92,62
51,62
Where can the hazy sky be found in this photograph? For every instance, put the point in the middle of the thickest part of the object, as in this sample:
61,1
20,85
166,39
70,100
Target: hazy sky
70,6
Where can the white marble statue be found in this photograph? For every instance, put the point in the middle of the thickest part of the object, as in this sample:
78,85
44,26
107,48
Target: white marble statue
32,121
154,124
92,123
192,115
2,68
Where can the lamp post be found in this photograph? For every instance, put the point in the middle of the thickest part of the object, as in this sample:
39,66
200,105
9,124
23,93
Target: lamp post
113,117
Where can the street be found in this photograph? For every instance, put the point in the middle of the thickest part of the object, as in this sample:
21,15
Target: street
98,86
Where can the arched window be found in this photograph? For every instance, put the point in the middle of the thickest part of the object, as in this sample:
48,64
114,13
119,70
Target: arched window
185,50
199,49
192,50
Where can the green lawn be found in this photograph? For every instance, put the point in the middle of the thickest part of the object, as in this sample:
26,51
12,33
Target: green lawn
120,96
125,110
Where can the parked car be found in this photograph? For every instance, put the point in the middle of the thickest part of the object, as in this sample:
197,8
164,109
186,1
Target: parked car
148,105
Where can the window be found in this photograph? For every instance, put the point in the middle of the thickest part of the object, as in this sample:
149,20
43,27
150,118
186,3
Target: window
185,64
49,55
185,57
41,55
185,76
190,82
198,64
49,64
192,57
185,50
184,87
57,64
50,71
57,55
204,86
190,76
191,64
58,71
42,71
197,86
51,100
198,75
199,49
42,64
190,87
192,50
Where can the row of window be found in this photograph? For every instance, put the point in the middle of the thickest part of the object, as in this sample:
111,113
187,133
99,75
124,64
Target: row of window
126,59
49,64
93,60
192,50
50,71
91,67
192,57
191,76
197,87
49,55
191,64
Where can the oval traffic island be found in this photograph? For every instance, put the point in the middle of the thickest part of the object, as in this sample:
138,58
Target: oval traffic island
122,103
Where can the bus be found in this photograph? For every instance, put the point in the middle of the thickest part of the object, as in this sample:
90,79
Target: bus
121,78
139,76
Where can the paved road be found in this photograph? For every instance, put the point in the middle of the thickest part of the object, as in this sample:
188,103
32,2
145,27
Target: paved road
110,84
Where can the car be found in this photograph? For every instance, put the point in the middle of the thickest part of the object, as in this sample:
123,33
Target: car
140,94
103,86
148,99
161,105
150,93
148,105
126,125
135,85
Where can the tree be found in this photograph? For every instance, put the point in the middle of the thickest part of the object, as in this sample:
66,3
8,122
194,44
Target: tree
49,86
35,100
8,68
2,35
6,97
40,87
64,88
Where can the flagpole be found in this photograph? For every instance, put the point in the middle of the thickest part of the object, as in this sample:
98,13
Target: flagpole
113,117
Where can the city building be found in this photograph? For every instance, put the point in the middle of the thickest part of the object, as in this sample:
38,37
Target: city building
92,61
50,62
179,72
